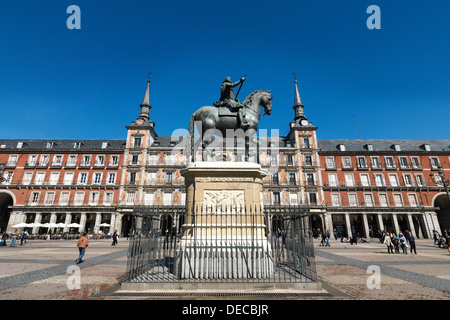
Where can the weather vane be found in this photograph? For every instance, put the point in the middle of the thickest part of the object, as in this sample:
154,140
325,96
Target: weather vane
295,77
149,76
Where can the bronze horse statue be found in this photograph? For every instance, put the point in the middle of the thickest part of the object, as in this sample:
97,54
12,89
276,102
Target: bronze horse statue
213,118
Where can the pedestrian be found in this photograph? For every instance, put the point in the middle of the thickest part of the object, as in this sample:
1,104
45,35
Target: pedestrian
403,244
114,237
436,237
411,241
396,242
22,237
322,237
327,238
13,239
335,234
388,243
82,244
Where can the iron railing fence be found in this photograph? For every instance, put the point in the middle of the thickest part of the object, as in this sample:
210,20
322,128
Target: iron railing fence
225,244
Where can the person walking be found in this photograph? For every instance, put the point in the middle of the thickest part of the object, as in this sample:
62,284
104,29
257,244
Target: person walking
396,242
114,238
403,244
327,238
82,244
388,243
411,241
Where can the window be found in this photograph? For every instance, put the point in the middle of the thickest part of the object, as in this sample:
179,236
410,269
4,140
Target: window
39,179
168,177
379,180
347,163
438,179
49,145
434,162
111,178
49,198
79,198
27,178
130,197
393,180
276,198
12,161
375,162
308,160
132,178
412,198
368,199
149,198
389,162
135,159
349,180
86,160
32,160
352,200
398,201
306,143
97,178
290,159
383,200
361,162
100,161
93,198
415,162
274,159
72,160
8,177
68,178
104,145
408,180
365,181
341,147
427,147
292,180
64,198
108,198
151,178
19,145
312,198
403,162
43,161
54,178
293,198
82,178
167,198
420,180
114,161
137,142
57,160
77,145
330,163
335,200
34,198
332,180
275,177
397,147
310,179
369,147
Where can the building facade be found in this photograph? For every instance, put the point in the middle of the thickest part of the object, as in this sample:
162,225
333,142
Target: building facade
352,186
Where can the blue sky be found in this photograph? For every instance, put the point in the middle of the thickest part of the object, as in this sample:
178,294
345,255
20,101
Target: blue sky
88,83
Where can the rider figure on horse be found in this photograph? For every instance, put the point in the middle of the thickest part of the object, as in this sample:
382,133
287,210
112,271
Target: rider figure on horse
229,100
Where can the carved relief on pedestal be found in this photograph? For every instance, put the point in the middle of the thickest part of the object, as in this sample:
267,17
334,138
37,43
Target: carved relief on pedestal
234,198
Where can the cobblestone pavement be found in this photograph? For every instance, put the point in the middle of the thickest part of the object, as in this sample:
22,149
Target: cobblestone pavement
43,269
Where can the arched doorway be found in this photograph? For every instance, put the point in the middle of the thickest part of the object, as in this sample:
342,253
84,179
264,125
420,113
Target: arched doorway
6,200
443,213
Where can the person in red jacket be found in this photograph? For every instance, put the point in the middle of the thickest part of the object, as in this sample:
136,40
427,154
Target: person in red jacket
82,244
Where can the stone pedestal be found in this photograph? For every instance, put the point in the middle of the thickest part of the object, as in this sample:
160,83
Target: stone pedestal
224,230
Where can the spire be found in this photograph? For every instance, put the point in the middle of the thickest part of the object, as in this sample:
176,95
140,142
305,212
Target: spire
297,100
145,105
298,105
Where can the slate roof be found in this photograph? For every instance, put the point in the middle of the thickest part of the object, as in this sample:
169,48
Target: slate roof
384,145
62,144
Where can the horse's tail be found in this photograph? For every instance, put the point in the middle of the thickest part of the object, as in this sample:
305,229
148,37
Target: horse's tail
190,140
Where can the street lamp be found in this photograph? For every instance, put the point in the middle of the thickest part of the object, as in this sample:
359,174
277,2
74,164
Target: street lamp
2,170
442,182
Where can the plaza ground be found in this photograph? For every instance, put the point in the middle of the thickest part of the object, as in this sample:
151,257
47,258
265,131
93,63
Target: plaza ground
40,270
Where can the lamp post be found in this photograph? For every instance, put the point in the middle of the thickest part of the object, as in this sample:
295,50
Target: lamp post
2,170
443,182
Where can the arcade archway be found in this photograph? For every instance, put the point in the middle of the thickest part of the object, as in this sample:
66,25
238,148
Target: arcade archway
443,213
6,200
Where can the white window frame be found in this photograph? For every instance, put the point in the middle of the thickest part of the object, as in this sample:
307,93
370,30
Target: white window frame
353,199
27,181
379,180
414,196
389,165
49,198
108,198
398,196
79,198
335,199
64,198
83,176
393,175
111,178
97,178
349,180
52,180
330,163
347,162
12,160
333,180
406,177
66,180
362,180
370,203
385,201
420,182
39,178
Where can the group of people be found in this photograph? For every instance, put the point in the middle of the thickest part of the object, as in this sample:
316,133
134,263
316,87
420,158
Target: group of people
442,240
22,236
403,241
